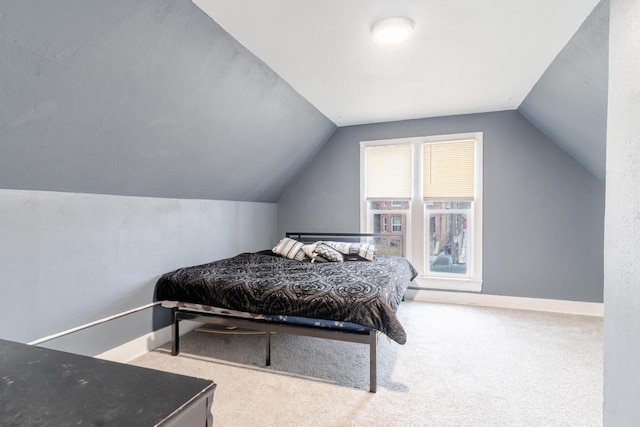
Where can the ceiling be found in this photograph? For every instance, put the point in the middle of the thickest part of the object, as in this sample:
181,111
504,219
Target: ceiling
464,56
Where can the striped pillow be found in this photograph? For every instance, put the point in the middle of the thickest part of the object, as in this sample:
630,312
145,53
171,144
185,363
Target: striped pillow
363,251
327,252
366,251
289,248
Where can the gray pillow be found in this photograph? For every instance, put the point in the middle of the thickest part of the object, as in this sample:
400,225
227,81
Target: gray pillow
328,252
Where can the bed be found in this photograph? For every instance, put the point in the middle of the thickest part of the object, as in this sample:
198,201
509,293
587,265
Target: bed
350,301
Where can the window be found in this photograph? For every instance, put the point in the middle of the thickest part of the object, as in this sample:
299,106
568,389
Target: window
448,237
429,190
448,191
383,212
387,190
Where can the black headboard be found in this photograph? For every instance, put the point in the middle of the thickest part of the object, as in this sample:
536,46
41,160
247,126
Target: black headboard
386,243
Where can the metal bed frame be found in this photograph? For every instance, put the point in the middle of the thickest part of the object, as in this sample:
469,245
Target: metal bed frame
367,336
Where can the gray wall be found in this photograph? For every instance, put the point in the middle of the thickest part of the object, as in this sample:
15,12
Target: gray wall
68,259
131,98
622,222
147,98
569,102
543,211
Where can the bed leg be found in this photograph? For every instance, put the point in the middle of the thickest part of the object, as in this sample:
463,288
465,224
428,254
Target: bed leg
372,361
267,339
175,332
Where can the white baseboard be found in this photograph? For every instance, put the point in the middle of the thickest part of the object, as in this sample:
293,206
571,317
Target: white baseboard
536,304
135,348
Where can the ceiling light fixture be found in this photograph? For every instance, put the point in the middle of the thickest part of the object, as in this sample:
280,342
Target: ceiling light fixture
392,30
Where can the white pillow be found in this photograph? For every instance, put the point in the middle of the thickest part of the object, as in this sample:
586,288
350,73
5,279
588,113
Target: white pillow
309,249
363,250
367,251
289,248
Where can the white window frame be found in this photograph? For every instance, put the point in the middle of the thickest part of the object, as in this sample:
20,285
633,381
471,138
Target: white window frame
471,233
394,225
416,221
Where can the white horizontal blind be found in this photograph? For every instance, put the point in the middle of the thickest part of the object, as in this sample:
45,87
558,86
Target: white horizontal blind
388,172
448,170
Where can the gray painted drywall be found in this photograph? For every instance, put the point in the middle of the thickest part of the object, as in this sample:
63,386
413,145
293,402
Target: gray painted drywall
569,102
147,98
69,259
543,211
622,221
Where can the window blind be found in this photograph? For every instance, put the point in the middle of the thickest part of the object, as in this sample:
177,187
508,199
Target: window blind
388,174
448,170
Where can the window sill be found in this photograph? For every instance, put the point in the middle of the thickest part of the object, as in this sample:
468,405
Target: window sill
447,284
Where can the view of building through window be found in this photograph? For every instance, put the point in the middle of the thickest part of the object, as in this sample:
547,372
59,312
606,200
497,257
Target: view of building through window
390,217
448,244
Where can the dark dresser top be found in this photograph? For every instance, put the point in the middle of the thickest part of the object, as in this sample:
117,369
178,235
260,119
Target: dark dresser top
41,387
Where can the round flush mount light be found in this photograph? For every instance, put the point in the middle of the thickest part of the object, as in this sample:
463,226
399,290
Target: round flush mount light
392,30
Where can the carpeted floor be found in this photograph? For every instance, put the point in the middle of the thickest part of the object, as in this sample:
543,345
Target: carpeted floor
461,366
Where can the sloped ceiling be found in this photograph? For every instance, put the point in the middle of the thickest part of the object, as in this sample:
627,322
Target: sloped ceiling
154,98
146,98
569,102
465,56
544,58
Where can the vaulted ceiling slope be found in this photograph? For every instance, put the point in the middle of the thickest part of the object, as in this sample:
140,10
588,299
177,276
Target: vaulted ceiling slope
569,102
147,98
465,56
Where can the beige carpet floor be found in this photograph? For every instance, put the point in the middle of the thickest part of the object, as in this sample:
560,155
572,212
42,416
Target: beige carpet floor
461,366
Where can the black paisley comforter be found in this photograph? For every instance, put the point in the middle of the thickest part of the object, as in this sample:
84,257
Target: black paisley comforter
367,293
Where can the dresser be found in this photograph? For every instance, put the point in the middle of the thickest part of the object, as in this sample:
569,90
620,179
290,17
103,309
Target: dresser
42,387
